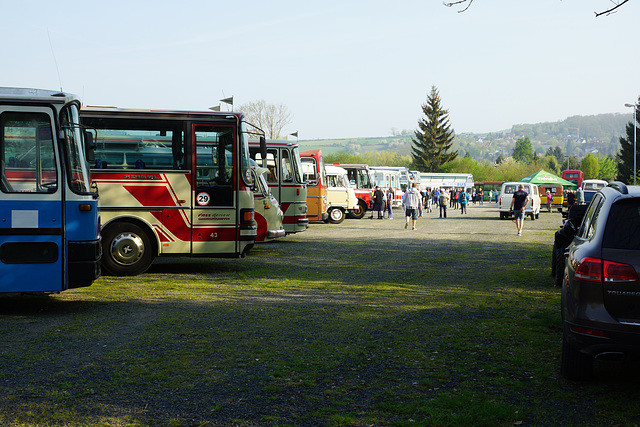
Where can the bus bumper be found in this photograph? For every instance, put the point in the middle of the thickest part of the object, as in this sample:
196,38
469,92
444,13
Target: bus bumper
274,234
84,263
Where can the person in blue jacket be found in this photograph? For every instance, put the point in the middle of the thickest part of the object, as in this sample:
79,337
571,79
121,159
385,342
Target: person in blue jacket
462,199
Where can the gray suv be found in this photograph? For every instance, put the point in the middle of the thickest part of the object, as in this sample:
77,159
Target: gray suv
600,287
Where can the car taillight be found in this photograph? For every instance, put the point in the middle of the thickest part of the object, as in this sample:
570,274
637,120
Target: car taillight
618,272
591,270
585,331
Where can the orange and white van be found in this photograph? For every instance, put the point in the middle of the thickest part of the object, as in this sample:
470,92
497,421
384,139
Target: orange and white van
314,176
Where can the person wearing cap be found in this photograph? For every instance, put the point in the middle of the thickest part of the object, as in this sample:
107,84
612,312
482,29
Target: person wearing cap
549,200
518,203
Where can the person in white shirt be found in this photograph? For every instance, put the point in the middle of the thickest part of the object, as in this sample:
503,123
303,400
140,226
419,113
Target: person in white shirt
411,202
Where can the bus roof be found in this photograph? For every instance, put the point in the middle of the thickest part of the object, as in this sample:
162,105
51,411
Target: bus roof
137,112
274,142
352,165
317,151
30,95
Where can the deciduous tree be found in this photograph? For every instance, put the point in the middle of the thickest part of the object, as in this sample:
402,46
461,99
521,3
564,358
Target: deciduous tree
270,118
523,152
590,166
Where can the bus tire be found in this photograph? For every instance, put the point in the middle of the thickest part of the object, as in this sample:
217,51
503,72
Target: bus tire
360,211
126,249
336,215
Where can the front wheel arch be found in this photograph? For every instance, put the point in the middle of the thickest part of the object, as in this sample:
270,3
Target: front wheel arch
360,211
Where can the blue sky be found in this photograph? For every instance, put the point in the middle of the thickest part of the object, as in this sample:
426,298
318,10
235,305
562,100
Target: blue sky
343,68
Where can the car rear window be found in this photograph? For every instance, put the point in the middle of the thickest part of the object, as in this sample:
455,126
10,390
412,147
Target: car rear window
623,225
510,189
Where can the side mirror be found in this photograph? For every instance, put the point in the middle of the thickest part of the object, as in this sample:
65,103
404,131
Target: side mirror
263,147
89,147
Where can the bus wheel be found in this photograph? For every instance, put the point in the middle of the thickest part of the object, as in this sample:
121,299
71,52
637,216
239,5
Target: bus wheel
336,215
360,211
126,249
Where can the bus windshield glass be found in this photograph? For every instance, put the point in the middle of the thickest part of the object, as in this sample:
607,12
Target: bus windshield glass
297,166
77,172
244,152
27,153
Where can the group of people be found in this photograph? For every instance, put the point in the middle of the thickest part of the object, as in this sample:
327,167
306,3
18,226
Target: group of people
415,201
576,197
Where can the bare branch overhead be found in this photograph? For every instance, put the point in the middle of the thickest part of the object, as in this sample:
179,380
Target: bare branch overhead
617,4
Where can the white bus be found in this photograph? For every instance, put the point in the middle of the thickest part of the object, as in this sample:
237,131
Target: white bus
446,180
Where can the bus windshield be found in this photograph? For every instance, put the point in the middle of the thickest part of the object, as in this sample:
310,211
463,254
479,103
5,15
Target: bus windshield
244,152
77,172
297,166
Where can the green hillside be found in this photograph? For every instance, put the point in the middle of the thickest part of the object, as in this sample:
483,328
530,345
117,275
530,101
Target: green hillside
576,135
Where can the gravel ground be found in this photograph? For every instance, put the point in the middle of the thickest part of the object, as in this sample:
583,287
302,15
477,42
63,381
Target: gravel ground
66,351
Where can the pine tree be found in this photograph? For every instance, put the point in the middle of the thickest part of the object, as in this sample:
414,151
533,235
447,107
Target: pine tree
432,145
624,158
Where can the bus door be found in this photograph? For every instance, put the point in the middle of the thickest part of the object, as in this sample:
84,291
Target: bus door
214,216
31,211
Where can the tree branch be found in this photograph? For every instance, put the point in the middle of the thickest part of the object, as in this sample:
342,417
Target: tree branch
606,12
464,1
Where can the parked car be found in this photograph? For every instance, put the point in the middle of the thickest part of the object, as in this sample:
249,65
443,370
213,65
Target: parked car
600,298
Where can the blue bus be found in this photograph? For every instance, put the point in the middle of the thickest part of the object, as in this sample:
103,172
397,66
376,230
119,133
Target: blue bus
49,219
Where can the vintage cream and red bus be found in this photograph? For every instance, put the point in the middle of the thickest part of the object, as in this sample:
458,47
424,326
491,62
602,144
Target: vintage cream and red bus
313,172
285,180
171,183
361,180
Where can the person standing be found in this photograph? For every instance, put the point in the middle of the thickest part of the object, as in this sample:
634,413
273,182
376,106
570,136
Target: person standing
378,204
390,198
411,202
580,196
518,203
549,200
462,199
443,201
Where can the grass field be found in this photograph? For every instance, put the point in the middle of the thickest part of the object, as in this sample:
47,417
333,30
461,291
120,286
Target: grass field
358,324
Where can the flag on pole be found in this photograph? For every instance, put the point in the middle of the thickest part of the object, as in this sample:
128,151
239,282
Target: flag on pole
227,100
